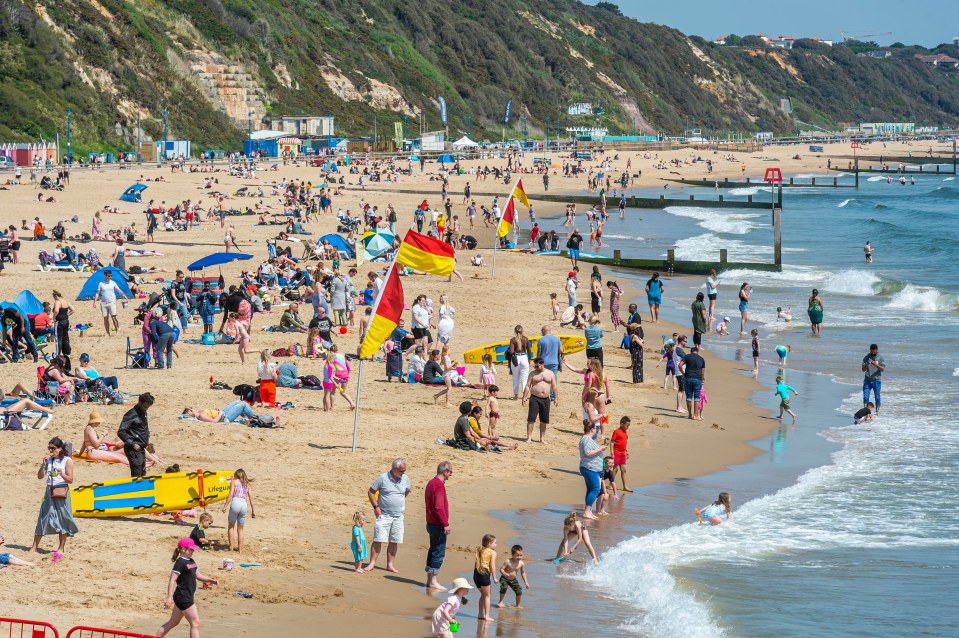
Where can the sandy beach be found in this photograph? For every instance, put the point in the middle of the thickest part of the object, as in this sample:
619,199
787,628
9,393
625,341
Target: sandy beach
307,483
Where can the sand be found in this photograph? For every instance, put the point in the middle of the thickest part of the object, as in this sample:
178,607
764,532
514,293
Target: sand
307,483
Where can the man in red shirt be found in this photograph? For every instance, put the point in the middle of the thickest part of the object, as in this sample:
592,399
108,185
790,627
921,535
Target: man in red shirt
620,439
437,523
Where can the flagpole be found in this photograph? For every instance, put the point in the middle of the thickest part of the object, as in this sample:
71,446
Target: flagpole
496,236
359,374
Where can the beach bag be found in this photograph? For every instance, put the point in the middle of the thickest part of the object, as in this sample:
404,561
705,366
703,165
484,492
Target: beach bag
59,492
248,393
311,381
208,338
262,421
13,423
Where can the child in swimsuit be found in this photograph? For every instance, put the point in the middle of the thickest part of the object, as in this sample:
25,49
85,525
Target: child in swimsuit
714,512
492,408
783,352
756,350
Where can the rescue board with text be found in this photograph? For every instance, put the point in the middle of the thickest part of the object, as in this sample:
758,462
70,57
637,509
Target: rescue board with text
571,344
150,494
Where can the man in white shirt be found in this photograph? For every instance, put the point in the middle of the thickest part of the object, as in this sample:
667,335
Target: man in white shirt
107,292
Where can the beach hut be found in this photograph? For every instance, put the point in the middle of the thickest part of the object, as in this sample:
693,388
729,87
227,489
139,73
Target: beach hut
134,194
89,290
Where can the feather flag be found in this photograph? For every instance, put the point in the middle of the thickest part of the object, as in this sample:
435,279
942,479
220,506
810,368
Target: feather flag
386,315
520,194
426,253
507,220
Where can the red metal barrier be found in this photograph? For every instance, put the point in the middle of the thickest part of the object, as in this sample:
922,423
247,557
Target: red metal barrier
98,632
19,628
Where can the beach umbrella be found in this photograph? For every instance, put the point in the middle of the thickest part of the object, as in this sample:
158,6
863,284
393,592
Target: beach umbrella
216,259
469,241
375,244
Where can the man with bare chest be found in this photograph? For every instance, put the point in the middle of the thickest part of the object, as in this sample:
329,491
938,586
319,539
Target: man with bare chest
539,385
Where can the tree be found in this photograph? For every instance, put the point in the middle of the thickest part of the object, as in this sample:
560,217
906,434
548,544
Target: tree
753,42
733,40
609,6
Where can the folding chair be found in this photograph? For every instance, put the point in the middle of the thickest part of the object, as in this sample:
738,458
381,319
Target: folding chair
48,389
133,355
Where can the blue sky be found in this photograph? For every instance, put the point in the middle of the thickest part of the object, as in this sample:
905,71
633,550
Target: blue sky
924,22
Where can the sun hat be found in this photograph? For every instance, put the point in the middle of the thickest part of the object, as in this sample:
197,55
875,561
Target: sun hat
84,357
726,319
458,583
187,543
95,418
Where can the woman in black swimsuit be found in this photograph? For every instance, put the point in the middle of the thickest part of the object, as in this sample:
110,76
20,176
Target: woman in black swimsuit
62,309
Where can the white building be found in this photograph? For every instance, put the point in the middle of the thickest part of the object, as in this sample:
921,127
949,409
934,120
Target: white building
305,125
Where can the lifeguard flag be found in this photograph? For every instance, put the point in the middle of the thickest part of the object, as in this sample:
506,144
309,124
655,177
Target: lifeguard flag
507,220
426,254
386,314
520,194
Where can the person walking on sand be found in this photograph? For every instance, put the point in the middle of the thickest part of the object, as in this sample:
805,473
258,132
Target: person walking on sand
590,466
518,356
107,291
814,310
181,589
388,495
229,238
694,375
620,442
783,390
437,523
540,386
56,514
654,296
712,292
614,294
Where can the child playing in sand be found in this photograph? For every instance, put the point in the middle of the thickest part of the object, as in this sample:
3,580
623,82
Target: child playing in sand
714,512
487,373
783,391
181,588
554,305
240,492
484,574
198,536
721,327
509,575
358,542
783,353
445,614
492,408
574,529
756,351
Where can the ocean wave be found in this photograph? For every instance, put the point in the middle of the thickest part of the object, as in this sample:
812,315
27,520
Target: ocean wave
924,299
845,202
955,372
718,220
880,206
752,190
876,178
949,179
765,278
706,248
852,282
636,238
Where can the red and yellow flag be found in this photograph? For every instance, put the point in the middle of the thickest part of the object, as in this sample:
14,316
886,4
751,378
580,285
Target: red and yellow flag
520,194
386,315
507,220
426,253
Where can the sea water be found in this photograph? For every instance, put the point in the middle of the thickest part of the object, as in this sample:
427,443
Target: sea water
838,529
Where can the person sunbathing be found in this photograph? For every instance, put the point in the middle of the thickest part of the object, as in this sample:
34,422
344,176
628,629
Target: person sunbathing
99,448
25,404
19,390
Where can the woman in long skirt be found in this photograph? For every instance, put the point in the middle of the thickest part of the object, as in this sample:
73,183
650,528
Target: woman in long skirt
56,513
614,294
635,333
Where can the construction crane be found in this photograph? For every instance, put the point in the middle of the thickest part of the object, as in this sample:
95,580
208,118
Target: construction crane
860,37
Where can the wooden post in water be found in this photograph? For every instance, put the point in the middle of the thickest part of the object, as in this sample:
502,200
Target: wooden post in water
857,173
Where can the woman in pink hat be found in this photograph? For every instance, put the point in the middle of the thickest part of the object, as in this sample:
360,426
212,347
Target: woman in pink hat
181,588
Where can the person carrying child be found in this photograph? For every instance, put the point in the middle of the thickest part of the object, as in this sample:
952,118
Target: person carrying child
182,587
509,574
444,618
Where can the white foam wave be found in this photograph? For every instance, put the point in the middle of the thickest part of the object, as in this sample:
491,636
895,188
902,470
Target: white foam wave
752,190
876,178
852,282
787,276
949,179
922,298
845,202
812,175
706,248
637,237
718,220
955,372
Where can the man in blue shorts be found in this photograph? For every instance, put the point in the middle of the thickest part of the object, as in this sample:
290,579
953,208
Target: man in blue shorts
694,374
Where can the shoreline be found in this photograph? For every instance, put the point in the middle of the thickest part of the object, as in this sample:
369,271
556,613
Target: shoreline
306,533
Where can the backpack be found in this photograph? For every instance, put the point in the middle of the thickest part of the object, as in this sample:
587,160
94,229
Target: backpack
13,423
311,381
262,421
247,392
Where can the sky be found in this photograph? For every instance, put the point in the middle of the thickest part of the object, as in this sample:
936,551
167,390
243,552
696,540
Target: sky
924,22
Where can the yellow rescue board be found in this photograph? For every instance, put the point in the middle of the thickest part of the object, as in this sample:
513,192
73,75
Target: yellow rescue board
571,345
149,494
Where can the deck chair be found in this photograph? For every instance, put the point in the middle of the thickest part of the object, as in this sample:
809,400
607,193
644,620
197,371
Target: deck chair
135,357
48,389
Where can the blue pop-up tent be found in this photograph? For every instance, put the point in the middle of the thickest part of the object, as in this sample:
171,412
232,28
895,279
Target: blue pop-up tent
339,243
445,157
28,303
89,290
133,194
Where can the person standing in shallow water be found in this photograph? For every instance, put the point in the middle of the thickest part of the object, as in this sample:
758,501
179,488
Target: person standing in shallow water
814,311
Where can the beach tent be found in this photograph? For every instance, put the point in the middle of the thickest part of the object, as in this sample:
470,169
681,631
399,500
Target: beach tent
465,142
339,243
445,157
89,290
133,194
216,259
28,303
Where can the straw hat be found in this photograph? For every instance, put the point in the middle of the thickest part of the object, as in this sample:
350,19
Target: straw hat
460,583
95,419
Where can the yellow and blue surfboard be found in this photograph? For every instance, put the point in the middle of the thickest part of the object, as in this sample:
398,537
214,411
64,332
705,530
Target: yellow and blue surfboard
571,345
150,494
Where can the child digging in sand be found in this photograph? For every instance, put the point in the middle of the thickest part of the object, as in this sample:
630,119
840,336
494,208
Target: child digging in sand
509,575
